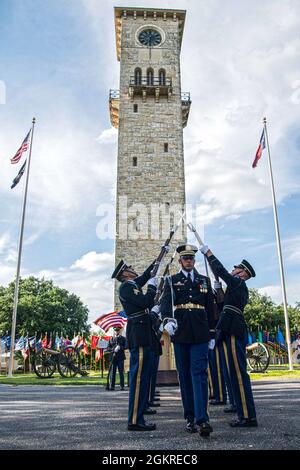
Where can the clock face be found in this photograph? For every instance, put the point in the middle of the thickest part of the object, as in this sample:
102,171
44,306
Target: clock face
150,37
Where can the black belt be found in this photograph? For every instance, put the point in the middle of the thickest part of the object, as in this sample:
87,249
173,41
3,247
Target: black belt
138,314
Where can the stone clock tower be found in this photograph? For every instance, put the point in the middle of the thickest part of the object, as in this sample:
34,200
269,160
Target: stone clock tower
150,112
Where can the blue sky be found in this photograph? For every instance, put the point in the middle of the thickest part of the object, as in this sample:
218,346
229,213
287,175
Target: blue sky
58,62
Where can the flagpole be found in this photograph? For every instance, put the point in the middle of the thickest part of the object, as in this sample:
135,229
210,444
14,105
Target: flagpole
16,294
282,278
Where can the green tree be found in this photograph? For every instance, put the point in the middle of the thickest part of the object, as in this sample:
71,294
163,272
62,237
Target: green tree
43,307
261,311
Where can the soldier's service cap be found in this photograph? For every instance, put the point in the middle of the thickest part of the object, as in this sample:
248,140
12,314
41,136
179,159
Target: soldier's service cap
247,266
186,250
117,328
119,269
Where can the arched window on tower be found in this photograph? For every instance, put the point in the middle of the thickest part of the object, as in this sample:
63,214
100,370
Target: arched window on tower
138,76
150,77
162,77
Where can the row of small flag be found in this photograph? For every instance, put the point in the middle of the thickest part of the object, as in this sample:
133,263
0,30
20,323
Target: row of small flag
31,343
25,144
266,336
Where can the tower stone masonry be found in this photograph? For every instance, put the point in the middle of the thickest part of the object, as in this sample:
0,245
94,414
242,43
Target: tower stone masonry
150,112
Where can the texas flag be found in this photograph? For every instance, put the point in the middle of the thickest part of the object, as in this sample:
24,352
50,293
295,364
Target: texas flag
262,145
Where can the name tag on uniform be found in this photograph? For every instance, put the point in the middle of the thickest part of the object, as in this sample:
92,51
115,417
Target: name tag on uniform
179,284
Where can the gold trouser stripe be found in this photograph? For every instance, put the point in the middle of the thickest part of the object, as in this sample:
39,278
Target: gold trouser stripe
219,374
210,381
226,356
207,407
137,386
239,377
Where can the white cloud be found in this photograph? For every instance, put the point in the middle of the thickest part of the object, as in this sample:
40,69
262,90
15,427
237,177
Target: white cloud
275,291
4,241
108,136
90,278
95,262
292,250
239,67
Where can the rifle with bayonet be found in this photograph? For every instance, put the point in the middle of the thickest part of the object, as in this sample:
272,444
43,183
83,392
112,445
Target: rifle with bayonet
164,249
162,279
219,292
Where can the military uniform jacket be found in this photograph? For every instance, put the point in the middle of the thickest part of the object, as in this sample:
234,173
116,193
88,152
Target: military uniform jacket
117,341
236,297
139,331
194,325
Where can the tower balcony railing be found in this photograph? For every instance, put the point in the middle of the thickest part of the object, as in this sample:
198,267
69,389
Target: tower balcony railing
150,82
114,95
185,98
114,103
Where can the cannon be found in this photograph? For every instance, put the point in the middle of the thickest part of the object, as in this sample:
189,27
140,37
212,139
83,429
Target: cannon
66,361
258,357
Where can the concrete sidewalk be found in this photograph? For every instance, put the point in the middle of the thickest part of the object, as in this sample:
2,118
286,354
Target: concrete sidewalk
50,417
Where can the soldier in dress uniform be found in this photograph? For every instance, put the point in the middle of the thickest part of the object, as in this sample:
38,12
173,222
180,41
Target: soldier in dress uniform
232,330
156,353
191,295
216,372
139,336
221,351
116,345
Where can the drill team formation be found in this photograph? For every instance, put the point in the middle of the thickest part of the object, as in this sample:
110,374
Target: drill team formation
208,331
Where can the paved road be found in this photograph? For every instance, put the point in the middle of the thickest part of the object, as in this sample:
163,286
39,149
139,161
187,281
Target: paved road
50,417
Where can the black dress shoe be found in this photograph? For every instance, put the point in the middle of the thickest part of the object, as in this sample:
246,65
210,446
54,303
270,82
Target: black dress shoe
205,429
148,411
230,409
154,404
122,389
191,427
141,427
244,423
217,402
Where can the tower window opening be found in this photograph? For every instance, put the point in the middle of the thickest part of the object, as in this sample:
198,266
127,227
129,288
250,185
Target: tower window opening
138,76
166,147
134,161
135,108
150,77
162,77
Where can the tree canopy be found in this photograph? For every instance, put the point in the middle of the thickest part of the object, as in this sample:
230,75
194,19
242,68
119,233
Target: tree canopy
42,307
261,311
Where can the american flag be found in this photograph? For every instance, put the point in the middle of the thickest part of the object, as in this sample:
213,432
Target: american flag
22,149
111,319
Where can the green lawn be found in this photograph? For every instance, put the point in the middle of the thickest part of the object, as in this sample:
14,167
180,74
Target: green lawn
94,378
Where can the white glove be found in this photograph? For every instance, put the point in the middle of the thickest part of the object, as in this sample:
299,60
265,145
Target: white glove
166,248
152,282
156,309
170,328
211,344
217,285
204,249
117,348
